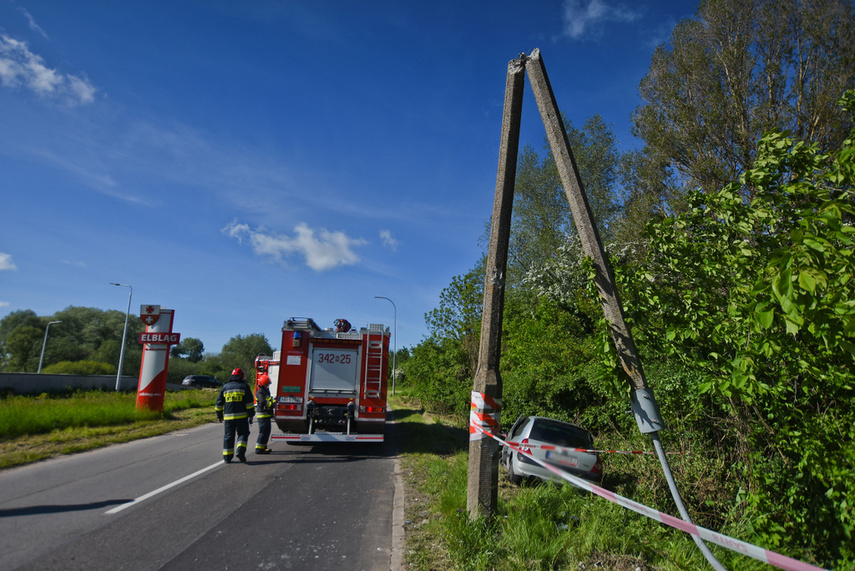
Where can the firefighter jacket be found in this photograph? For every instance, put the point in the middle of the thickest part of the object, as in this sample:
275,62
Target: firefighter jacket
235,400
264,402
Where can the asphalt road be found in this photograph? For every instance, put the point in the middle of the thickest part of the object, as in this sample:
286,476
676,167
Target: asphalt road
170,503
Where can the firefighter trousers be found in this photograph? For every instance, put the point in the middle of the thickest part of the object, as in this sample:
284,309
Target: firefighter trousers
239,427
263,433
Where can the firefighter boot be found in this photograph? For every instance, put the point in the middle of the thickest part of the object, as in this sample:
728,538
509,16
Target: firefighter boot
241,453
264,450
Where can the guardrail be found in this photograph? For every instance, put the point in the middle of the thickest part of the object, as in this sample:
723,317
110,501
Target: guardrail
37,383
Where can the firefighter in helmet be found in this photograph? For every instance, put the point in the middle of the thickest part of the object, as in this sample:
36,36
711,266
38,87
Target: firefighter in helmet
264,412
234,406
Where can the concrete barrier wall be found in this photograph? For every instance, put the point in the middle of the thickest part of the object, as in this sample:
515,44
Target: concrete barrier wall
35,383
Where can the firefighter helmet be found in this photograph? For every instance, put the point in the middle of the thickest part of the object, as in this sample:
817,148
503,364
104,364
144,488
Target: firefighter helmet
239,372
263,380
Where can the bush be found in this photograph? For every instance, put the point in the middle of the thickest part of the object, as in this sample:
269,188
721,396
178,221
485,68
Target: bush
80,368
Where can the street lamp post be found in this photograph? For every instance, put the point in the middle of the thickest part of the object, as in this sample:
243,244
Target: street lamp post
42,358
395,331
124,333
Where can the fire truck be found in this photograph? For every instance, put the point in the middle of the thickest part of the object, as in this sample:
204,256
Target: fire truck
329,384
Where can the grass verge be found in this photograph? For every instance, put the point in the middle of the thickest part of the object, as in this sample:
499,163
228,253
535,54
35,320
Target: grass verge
37,428
536,527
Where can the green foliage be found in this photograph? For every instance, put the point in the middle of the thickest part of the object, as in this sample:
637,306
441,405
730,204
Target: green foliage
23,346
438,373
190,348
81,368
26,415
82,334
543,366
8,324
756,296
22,415
738,70
241,351
458,316
540,527
542,220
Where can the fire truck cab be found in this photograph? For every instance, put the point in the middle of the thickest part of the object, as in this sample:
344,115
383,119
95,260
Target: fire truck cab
329,384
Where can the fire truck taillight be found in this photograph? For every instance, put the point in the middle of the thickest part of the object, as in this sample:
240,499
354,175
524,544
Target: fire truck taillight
374,409
291,403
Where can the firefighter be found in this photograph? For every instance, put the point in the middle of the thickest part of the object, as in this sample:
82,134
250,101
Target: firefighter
263,412
234,406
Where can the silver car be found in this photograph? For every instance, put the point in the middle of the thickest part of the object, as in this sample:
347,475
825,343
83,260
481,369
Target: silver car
533,432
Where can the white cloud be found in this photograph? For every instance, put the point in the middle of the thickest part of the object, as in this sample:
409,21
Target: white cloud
4,304
19,67
388,240
580,16
323,251
33,26
6,262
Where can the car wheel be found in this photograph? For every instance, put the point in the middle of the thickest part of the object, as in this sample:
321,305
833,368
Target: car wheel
515,478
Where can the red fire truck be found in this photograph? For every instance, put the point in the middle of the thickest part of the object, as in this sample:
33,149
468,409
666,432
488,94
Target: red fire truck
329,384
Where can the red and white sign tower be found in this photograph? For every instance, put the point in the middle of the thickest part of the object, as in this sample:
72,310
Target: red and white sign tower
156,339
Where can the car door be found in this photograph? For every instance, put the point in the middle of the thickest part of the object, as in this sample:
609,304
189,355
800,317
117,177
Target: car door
512,436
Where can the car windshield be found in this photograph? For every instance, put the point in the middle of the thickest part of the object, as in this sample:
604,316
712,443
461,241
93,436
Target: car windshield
559,434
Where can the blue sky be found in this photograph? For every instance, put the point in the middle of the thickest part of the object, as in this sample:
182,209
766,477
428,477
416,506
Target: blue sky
246,162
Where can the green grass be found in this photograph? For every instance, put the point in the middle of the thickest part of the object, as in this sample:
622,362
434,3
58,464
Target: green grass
36,428
536,527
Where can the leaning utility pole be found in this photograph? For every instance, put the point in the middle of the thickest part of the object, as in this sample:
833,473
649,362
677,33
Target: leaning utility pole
583,218
644,405
483,483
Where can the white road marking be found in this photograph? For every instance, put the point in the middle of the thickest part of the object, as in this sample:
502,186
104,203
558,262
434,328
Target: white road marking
142,498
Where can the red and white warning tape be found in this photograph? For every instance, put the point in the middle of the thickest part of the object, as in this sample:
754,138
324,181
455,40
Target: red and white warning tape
484,414
564,449
753,551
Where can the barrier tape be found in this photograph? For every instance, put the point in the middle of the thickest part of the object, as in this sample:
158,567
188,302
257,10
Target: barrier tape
565,449
484,414
753,551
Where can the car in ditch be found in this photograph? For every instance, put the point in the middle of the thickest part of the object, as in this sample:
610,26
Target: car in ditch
555,442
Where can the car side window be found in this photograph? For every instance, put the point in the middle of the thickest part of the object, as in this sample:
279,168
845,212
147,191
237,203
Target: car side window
520,428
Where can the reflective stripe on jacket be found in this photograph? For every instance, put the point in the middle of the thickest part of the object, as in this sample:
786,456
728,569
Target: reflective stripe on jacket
264,402
235,400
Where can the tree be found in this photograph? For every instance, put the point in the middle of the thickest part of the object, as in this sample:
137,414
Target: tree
758,298
458,316
542,219
190,346
8,324
85,333
241,351
439,374
24,345
738,70
648,191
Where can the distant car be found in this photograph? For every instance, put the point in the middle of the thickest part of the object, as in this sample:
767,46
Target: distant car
529,431
201,382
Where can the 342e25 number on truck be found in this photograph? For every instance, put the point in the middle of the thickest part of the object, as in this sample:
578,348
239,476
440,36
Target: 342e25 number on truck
329,384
